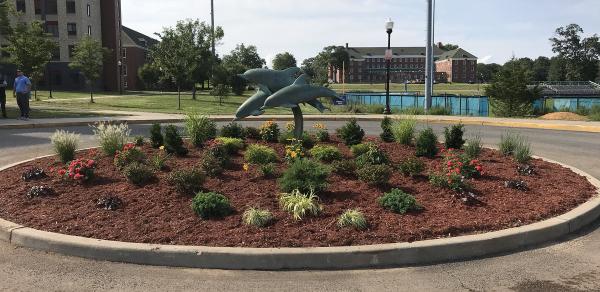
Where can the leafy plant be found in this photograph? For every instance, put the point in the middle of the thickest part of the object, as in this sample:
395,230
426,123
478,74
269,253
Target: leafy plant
404,130
526,169
159,160
211,165
351,133
269,131
34,173
40,191
268,170
426,143
373,156
80,170
211,205
259,154
288,137
109,203
508,143
252,133
517,185
156,136
454,136
173,141
138,173
112,137
64,144
345,167
200,129
326,153
187,181
232,145
473,147
399,202
257,217
374,174
305,175
386,127
352,218
128,155
412,166
522,152
360,149
233,130
294,150
139,141
321,132
300,204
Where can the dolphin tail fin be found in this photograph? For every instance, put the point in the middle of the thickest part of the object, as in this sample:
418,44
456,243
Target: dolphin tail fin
318,105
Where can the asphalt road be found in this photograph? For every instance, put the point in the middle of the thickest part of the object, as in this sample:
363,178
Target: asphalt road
570,265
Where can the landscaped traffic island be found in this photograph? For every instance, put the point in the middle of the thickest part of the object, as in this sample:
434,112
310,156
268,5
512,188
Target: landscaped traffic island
248,187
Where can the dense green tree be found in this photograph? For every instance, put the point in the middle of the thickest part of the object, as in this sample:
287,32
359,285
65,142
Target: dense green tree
239,60
509,93
447,47
541,67
580,54
316,68
557,70
337,56
487,72
6,9
88,57
284,61
150,75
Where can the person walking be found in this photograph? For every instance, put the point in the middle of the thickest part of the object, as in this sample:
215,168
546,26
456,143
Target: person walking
3,85
21,91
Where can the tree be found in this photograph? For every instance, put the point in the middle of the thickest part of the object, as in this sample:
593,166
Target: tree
220,92
487,71
337,56
88,58
580,54
30,49
6,9
284,61
317,67
509,93
149,75
239,60
557,70
447,47
541,67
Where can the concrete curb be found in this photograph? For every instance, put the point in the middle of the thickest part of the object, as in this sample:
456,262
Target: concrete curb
371,256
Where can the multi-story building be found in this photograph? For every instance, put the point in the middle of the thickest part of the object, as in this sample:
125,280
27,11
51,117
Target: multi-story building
368,65
68,21
136,47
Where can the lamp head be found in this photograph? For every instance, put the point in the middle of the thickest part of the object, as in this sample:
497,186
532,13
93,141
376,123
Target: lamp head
389,25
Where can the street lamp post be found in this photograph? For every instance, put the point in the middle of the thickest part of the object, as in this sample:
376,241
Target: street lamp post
389,26
120,77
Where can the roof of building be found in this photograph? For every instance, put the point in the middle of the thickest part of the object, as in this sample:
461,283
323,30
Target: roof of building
456,53
140,39
361,52
569,88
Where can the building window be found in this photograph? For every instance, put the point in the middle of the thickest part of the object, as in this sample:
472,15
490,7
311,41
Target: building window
52,28
71,50
124,53
70,7
89,10
21,6
72,28
125,85
124,69
51,7
89,30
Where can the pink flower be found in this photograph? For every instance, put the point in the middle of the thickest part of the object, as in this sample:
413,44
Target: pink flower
78,176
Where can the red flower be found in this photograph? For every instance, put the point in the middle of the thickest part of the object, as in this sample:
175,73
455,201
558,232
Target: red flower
479,168
78,176
449,163
62,172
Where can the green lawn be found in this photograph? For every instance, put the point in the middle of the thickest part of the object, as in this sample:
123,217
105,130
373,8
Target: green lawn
41,113
443,88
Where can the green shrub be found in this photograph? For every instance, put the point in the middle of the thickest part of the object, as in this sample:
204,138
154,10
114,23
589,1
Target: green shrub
232,145
326,153
64,144
439,111
351,133
412,111
233,130
373,156
522,152
360,149
508,143
111,137
288,136
200,129
344,167
386,128
138,173
187,182
404,131
374,174
259,154
399,202
322,134
426,143
269,131
159,160
352,218
211,205
257,217
454,136
211,165
252,133
473,147
305,175
128,155
174,142
139,141
412,166
300,204
156,136
268,170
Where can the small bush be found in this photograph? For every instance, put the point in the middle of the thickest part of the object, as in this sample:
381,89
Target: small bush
412,167
139,141
259,154
439,111
268,170
399,202
352,218
40,191
187,182
300,205
111,137
211,205
473,147
351,133
233,130
360,149
522,152
232,145
305,175
454,136
80,170
426,143
174,142
345,167
322,134
294,150
374,174
200,129
412,111
288,137
386,128
64,144
211,165
404,131
138,173
252,133
326,153
128,155
257,217
156,136
373,156
34,173
269,131
508,143
159,160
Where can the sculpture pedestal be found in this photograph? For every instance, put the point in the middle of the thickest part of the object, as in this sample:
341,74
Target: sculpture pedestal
298,122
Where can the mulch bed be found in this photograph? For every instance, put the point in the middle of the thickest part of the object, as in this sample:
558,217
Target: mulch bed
157,214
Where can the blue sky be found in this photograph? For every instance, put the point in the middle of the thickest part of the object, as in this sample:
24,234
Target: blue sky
493,30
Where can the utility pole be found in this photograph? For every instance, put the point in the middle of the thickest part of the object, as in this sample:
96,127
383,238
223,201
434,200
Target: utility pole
429,65
212,26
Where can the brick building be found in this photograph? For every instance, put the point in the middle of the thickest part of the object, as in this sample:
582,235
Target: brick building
135,54
368,65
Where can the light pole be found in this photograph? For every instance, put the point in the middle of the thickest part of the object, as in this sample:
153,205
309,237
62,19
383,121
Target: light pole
120,77
389,26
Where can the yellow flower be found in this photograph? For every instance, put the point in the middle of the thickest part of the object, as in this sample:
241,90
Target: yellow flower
246,167
293,154
162,148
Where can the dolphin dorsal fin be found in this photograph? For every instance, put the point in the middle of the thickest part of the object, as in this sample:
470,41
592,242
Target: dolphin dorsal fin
264,89
292,71
302,80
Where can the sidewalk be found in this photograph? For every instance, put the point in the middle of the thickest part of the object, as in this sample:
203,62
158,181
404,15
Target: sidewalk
146,118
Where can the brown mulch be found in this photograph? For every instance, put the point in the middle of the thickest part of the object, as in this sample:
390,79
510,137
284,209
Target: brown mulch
155,213
564,116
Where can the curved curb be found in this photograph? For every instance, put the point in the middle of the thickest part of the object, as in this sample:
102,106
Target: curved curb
352,257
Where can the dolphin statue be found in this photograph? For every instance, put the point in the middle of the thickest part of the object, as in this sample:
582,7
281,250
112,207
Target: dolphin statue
299,92
274,80
252,105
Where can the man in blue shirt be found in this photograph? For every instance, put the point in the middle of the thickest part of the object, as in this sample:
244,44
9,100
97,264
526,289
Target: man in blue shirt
22,90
